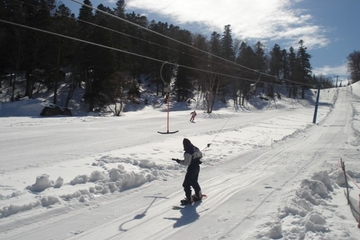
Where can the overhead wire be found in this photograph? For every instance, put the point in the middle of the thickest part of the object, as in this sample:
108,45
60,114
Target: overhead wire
182,43
208,145
175,64
128,35
140,39
149,42
122,33
208,53
168,48
123,51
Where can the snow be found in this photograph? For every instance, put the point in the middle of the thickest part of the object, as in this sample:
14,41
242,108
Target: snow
269,172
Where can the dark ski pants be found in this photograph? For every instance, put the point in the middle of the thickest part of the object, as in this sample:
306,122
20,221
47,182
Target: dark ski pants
191,180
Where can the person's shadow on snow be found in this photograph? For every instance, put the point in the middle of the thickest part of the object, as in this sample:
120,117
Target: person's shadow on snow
188,215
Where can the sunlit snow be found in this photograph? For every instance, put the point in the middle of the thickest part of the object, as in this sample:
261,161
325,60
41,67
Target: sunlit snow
269,172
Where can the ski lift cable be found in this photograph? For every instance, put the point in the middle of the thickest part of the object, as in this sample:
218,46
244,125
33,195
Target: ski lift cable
123,51
161,76
80,40
157,33
208,145
111,48
137,38
147,41
131,53
177,41
118,32
119,50
246,68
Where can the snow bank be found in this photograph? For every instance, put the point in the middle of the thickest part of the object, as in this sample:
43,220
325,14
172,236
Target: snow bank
308,213
13,209
42,182
109,181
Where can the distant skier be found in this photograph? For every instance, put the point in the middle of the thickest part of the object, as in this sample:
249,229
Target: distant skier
193,115
192,156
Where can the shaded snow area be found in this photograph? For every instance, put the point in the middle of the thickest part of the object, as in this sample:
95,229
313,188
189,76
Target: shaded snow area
269,172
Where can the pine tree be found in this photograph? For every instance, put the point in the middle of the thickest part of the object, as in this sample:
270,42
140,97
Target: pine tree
136,65
276,60
304,67
201,62
214,65
159,52
293,71
183,80
246,58
277,64
85,52
122,61
353,65
227,44
12,41
285,64
227,53
260,59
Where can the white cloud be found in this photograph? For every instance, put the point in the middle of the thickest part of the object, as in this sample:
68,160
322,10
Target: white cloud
340,71
249,19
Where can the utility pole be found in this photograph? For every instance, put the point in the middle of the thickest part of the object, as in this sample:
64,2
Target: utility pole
337,77
317,102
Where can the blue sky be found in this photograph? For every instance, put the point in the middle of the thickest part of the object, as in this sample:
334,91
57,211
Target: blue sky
329,28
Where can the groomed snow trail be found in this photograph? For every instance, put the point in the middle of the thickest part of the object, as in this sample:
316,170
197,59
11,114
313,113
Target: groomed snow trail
253,180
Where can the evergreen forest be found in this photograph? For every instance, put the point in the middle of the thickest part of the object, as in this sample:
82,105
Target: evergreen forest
109,51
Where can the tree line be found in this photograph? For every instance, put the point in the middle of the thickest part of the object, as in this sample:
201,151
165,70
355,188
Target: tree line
114,49
353,65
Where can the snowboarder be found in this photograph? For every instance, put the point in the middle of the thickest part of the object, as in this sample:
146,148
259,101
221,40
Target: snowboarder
192,156
193,115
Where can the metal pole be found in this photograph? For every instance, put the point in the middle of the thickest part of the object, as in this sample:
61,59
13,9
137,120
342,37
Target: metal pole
168,111
317,103
346,182
337,77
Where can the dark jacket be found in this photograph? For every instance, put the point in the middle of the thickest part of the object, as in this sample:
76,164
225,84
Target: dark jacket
192,154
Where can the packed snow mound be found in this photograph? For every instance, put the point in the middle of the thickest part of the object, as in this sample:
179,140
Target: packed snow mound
13,209
302,215
84,187
42,182
48,201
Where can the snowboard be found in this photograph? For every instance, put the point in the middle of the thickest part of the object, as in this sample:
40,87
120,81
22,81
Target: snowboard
182,206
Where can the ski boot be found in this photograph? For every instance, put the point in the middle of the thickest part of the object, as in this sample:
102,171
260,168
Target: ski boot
186,201
197,199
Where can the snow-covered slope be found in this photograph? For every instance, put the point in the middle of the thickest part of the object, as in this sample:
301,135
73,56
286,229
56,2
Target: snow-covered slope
268,173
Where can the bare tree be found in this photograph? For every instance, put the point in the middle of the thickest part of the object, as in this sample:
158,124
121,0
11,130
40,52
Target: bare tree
116,92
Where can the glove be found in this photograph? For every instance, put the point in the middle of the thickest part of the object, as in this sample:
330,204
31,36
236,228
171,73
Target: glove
175,159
